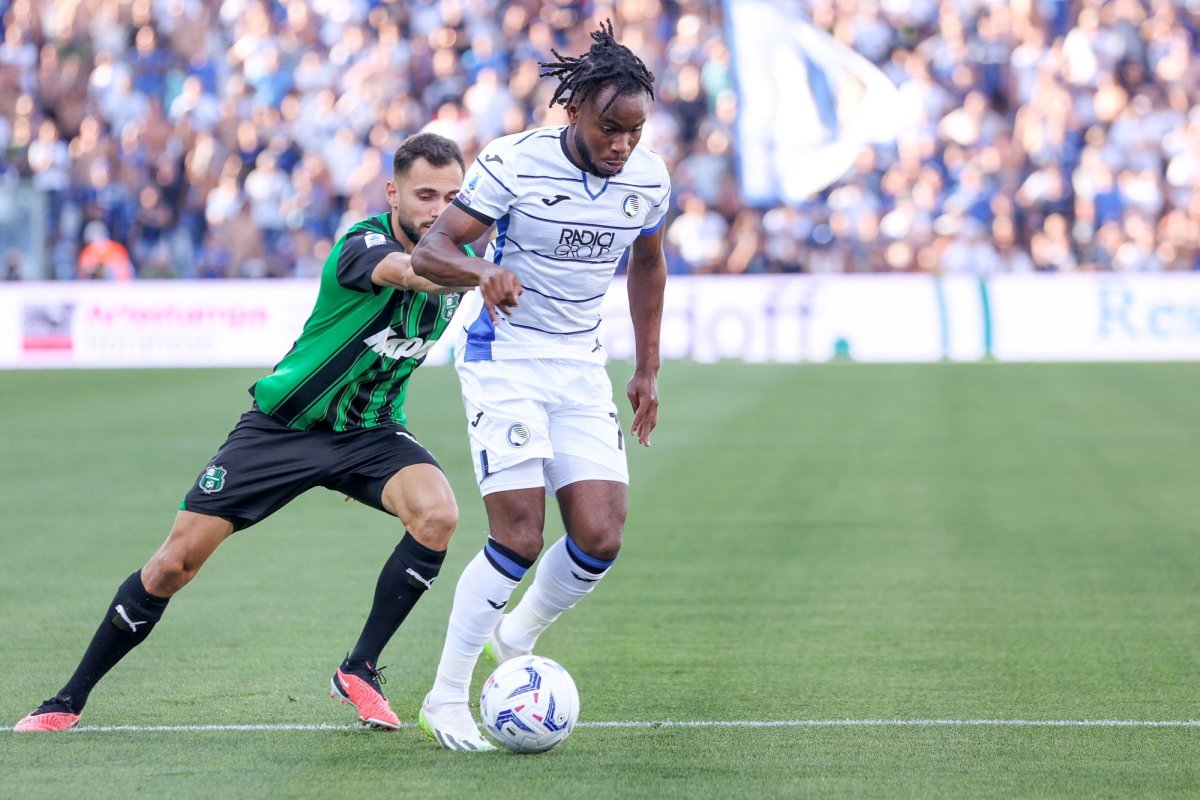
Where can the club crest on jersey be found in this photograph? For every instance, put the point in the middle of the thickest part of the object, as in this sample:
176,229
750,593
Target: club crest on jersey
213,479
631,205
449,305
518,434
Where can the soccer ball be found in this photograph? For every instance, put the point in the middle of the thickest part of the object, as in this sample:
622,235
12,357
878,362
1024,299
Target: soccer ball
529,704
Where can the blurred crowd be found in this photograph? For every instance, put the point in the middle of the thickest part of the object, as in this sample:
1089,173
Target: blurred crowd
184,138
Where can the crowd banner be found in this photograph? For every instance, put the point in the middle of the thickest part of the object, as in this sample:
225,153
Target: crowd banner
807,104
752,318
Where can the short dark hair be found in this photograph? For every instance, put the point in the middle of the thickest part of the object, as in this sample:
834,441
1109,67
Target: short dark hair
437,150
606,62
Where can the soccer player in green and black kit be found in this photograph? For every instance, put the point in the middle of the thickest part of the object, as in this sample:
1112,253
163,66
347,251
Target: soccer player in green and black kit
330,414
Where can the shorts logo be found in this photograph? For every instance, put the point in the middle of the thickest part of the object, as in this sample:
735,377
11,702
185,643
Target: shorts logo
631,205
213,480
518,434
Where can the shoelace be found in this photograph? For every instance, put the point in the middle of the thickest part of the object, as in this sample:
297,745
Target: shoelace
375,676
57,704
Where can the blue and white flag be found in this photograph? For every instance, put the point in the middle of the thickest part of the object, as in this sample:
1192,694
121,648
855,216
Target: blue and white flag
807,104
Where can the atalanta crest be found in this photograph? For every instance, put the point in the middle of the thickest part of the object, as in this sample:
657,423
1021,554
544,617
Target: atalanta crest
518,434
631,205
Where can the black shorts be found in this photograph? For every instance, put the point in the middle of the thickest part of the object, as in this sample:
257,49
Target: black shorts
264,465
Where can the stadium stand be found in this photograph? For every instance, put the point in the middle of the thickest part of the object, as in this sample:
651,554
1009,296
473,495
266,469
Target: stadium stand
237,139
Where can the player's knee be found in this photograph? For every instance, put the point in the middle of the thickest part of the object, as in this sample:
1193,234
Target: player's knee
433,526
168,571
523,541
193,539
603,543
599,535
520,530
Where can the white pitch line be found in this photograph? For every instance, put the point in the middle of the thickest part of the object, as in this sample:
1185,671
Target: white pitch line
787,723
915,723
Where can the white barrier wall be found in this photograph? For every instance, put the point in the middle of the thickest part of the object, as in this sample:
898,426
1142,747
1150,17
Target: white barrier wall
151,324
750,318
1096,318
809,318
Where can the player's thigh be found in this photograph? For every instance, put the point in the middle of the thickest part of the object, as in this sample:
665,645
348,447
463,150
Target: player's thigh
517,517
366,464
593,512
262,466
507,421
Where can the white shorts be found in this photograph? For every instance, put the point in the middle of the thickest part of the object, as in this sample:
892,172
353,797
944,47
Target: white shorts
541,422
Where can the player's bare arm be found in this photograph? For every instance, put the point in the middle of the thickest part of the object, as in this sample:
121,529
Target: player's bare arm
395,270
438,257
646,283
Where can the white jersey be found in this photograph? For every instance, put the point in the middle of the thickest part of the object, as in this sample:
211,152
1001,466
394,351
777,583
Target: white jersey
562,232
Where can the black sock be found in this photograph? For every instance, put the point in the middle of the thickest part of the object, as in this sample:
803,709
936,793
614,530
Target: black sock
409,571
132,614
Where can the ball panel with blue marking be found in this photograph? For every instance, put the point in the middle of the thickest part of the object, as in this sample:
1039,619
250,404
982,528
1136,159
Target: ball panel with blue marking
529,704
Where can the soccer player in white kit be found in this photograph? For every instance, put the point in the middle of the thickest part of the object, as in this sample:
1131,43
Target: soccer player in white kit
567,202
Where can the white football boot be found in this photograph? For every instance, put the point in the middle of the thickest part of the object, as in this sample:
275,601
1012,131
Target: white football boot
451,726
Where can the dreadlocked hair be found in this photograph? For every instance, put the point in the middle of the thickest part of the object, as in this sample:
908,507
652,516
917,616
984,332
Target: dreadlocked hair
606,62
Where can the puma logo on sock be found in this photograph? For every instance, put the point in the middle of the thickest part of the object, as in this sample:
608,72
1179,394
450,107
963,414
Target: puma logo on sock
129,624
428,584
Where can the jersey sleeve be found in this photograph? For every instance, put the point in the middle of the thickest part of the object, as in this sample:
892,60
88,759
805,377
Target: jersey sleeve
489,188
361,252
661,204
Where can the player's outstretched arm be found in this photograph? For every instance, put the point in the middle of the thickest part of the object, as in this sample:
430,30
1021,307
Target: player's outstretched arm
439,258
396,270
646,283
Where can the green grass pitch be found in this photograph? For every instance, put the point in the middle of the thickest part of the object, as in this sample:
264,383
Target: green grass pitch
806,545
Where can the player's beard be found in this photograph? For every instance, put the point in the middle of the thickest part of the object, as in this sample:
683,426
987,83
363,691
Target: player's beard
410,230
585,156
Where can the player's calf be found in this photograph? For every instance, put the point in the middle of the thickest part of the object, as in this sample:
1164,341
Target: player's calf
130,617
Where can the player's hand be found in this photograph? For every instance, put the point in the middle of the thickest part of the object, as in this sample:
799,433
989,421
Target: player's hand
642,390
500,289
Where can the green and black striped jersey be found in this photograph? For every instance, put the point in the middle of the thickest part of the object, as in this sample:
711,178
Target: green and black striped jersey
351,364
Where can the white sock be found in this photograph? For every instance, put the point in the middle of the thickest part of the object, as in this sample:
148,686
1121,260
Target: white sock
473,617
564,576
